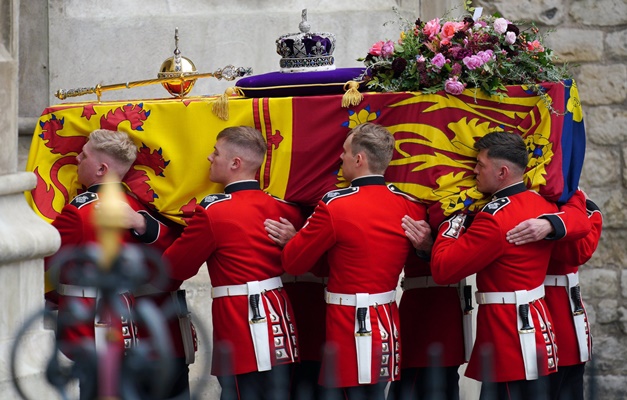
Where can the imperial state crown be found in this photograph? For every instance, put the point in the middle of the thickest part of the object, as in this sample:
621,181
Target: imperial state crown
306,51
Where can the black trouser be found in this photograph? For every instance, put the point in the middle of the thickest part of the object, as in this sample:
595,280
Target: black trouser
151,386
537,389
567,383
267,385
305,382
180,382
362,392
426,383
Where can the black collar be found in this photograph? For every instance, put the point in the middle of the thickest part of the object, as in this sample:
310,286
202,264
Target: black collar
241,185
510,190
368,180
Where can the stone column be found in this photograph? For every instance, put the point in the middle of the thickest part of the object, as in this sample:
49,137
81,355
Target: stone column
24,237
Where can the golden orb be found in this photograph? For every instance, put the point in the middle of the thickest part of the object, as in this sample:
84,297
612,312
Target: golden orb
175,67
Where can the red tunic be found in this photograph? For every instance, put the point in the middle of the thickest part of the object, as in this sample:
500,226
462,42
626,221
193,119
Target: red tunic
76,226
500,267
227,232
565,259
439,322
360,227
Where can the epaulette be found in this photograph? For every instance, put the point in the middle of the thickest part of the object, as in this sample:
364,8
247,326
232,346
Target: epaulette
398,191
213,199
83,199
334,194
495,205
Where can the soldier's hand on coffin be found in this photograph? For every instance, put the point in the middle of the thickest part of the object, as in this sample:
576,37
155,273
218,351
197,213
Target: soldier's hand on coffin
529,231
419,233
280,231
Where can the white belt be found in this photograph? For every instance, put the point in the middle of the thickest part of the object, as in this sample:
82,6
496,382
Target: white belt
351,299
556,280
363,341
306,277
77,291
582,331
509,297
422,282
242,290
527,336
258,328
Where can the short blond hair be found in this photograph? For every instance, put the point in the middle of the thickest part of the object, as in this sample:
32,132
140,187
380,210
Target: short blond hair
117,145
248,140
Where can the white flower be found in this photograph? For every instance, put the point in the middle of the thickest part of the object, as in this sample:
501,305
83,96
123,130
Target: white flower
510,37
500,25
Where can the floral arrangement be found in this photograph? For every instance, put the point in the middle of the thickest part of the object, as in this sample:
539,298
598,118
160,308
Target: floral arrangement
454,54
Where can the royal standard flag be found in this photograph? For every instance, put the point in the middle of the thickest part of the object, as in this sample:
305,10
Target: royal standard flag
434,157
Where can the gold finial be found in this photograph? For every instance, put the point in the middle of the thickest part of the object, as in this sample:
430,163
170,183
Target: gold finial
109,218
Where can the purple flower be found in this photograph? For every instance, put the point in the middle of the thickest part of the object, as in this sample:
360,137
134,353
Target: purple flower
387,49
398,66
513,28
438,61
456,69
453,86
459,52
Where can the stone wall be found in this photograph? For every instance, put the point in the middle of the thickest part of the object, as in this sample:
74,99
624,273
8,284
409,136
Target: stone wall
591,36
24,237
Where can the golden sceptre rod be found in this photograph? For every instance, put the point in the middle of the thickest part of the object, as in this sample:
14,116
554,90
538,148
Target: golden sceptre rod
228,73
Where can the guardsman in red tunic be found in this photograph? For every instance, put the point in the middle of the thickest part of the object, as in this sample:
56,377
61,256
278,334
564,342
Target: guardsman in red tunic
436,332
173,307
306,292
359,230
106,153
563,297
513,319
254,335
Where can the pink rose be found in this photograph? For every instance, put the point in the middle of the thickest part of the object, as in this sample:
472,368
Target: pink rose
473,62
438,61
387,49
453,86
420,59
486,56
500,25
432,28
510,38
375,50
